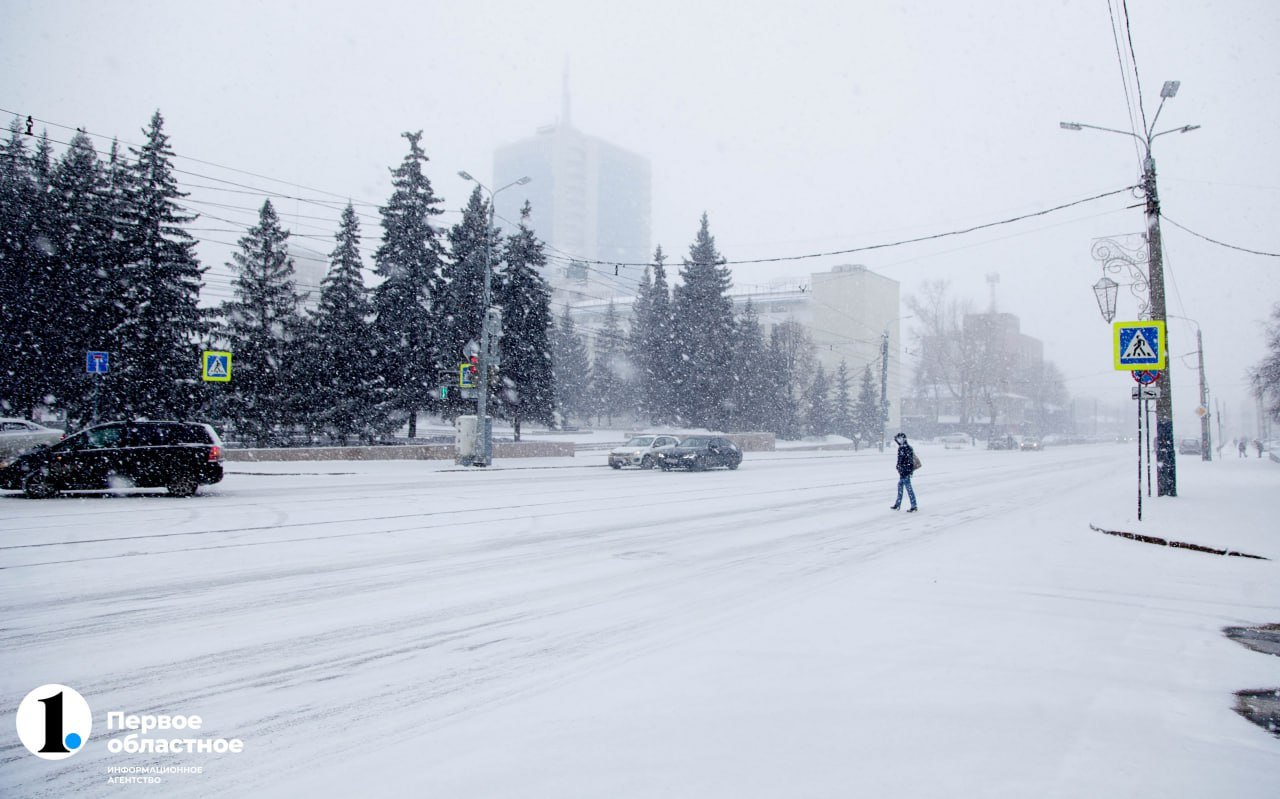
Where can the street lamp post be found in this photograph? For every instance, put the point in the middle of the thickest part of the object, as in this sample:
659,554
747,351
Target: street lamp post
1166,472
1206,444
884,377
482,451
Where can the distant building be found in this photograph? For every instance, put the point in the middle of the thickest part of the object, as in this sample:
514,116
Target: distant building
590,203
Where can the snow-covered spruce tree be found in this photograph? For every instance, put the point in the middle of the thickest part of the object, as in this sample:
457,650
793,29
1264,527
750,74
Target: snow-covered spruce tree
260,326
610,369
571,367
652,345
790,359
867,413
345,386
24,266
460,310
85,284
704,329
114,274
526,380
842,402
154,357
751,384
819,421
409,261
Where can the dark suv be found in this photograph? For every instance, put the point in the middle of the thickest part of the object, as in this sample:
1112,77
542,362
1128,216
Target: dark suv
696,453
179,456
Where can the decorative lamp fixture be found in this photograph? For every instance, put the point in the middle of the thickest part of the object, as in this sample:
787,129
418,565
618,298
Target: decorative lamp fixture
1105,290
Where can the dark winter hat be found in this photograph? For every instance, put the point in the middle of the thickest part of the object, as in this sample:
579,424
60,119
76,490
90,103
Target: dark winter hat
901,438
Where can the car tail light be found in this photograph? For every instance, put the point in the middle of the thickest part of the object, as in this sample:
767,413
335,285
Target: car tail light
215,453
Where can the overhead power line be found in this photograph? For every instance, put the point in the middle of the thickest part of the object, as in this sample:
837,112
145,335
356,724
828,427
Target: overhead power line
888,244
1219,243
329,205
196,160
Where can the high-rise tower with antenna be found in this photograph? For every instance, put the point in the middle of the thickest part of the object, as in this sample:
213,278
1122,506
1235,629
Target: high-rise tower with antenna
590,203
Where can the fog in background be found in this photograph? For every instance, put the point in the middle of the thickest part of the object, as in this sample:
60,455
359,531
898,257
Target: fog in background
800,128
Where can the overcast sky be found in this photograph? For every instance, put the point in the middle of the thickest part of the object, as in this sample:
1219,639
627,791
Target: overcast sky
800,128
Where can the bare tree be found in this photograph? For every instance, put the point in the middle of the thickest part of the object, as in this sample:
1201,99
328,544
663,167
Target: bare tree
939,336
1265,377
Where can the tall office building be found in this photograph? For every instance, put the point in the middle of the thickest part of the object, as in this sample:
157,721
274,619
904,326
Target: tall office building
590,204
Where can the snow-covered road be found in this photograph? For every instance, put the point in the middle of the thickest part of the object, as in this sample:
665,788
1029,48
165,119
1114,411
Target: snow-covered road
328,613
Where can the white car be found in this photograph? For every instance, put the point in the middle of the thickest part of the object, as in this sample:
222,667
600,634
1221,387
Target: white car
641,451
19,435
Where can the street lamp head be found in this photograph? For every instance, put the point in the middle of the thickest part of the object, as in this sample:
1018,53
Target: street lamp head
1170,89
1105,290
1070,126
1188,128
462,173
524,181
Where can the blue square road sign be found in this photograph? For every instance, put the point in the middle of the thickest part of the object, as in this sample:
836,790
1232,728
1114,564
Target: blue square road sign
97,363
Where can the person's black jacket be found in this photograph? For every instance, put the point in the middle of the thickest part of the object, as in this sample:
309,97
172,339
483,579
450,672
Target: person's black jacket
906,460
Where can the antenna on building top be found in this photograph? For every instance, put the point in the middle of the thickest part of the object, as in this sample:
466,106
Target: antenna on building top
992,279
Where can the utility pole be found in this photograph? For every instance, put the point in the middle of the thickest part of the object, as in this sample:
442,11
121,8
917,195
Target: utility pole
884,385
1166,467
1166,452
1206,446
1217,407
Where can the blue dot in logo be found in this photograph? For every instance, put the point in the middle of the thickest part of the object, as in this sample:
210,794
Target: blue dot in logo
74,740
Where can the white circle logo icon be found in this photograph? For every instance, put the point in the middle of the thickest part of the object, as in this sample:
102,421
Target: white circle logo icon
54,722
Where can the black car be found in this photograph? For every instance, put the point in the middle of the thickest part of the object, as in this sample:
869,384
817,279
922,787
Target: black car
696,453
179,456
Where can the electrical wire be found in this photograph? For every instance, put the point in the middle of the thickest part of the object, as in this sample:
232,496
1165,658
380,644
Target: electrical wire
86,132
1124,81
890,244
1219,243
1133,57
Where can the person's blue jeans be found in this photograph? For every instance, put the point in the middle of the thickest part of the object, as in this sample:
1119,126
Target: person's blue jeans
905,481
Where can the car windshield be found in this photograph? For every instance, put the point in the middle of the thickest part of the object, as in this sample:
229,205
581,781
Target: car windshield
640,441
695,442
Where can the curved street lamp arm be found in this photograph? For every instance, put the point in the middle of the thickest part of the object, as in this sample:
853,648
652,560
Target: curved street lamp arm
1079,125
1183,129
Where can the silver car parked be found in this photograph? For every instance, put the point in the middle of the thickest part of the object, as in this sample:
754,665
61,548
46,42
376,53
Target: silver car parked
19,435
641,451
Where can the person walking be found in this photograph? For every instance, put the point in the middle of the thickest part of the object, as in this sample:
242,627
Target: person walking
906,467
1243,447
1257,444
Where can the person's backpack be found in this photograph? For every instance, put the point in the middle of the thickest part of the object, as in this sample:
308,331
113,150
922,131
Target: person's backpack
915,461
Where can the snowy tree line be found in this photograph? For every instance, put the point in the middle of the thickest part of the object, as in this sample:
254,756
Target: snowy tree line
95,255
689,359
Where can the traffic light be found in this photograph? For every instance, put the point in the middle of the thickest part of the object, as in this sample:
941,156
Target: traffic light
467,373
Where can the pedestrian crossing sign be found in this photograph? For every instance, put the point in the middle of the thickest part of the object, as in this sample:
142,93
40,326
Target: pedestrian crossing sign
216,366
1140,345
